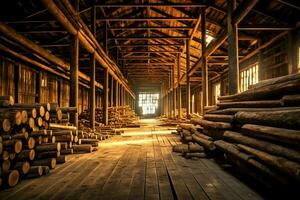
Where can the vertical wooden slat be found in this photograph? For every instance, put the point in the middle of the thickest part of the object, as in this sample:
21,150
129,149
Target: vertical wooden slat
179,86
188,86
204,61
112,92
105,102
233,62
16,82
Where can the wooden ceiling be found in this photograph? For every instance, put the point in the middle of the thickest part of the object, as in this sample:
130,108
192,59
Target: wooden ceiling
144,37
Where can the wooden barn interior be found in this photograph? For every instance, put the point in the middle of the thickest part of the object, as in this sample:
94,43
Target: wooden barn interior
149,99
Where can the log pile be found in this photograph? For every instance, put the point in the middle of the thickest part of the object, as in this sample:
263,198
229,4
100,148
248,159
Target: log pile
195,144
259,130
118,117
30,144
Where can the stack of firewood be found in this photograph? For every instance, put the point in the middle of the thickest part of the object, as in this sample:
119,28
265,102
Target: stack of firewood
26,146
259,129
195,144
118,117
30,145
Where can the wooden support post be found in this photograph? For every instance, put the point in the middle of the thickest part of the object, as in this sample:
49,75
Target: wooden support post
92,93
117,94
38,90
293,44
112,92
59,92
74,78
179,86
233,57
188,86
174,91
16,82
92,98
105,99
204,61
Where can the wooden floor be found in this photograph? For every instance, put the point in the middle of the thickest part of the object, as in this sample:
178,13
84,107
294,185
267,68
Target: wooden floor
137,165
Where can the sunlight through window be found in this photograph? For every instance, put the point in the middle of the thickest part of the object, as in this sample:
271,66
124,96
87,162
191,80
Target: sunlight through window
148,102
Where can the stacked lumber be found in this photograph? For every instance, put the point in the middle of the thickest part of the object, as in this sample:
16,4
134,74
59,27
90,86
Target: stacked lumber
195,144
259,130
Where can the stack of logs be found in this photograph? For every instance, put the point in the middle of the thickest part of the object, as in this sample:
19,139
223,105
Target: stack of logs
195,144
119,117
30,145
259,130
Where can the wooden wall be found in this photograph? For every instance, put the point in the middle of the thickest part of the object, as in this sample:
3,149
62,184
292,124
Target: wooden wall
53,88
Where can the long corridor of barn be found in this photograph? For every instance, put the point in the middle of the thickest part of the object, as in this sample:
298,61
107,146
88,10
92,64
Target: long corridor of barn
139,164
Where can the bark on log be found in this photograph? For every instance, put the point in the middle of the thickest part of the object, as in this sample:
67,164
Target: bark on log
273,91
219,118
271,148
58,126
210,124
12,145
248,159
61,159
69,109
46,170
48,147
250,104
66,151
83,148
34,171
48,154
50,162
22,167
195,155
289,167
26,155
283,119
203,136
281,135
64,138
232,111
14,116
291,100
206,143
194,148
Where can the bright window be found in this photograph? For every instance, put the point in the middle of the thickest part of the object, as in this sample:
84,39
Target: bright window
217,91
148,102
209,38
249,77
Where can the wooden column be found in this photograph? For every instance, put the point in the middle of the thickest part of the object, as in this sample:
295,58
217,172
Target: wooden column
117,94
38,90
74,78
16,82
293,46
92,98
179,86
174,93
105,37
188,86
59,91
233,62
105,99
112,92
204,61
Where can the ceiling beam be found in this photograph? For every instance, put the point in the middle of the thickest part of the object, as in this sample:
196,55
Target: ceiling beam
264,28
144,5
150,27
149,19
148,38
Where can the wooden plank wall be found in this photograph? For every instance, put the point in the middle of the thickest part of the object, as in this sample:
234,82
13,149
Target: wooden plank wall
6,77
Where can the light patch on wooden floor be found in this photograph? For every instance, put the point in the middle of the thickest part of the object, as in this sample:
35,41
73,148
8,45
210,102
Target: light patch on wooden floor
138,164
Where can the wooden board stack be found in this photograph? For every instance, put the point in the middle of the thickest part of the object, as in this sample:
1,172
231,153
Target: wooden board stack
259,130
